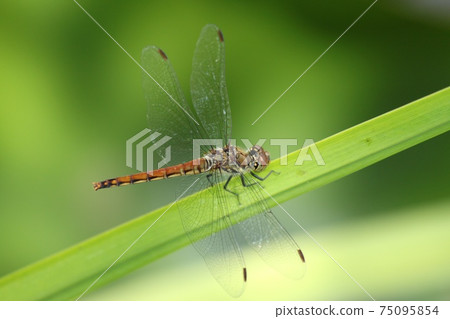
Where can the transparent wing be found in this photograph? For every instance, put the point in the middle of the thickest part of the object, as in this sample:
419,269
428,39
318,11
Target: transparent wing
168,111
208,86
268,237
207,216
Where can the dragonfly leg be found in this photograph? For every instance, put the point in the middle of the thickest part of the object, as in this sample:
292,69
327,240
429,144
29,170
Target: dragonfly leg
234,193
208,177
263,178
243,181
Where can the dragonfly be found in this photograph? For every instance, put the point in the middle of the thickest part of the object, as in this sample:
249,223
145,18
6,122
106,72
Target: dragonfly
229,177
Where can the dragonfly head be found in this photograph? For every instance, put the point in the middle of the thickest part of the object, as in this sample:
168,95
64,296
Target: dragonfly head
258,158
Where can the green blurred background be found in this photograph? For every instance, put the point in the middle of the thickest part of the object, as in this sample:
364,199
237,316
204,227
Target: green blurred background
70,98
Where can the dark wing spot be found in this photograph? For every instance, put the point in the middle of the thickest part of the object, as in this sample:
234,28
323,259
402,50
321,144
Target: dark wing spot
220,35
245,274
164,56
301,255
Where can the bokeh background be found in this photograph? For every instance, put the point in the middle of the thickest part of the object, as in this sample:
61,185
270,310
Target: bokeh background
70,98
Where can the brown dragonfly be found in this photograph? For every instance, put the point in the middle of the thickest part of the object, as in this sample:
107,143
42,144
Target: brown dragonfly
228,174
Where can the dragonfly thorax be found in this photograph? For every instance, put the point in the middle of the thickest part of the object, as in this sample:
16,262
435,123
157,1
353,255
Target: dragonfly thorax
235,160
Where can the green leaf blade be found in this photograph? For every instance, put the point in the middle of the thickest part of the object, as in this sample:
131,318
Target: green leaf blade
68,274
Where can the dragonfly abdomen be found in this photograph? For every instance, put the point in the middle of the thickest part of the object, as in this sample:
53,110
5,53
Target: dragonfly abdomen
189,168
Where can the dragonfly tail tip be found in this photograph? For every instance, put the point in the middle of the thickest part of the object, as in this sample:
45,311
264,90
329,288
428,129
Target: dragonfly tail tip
97,186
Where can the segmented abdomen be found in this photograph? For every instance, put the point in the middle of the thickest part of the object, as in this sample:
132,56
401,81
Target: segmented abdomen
190,168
